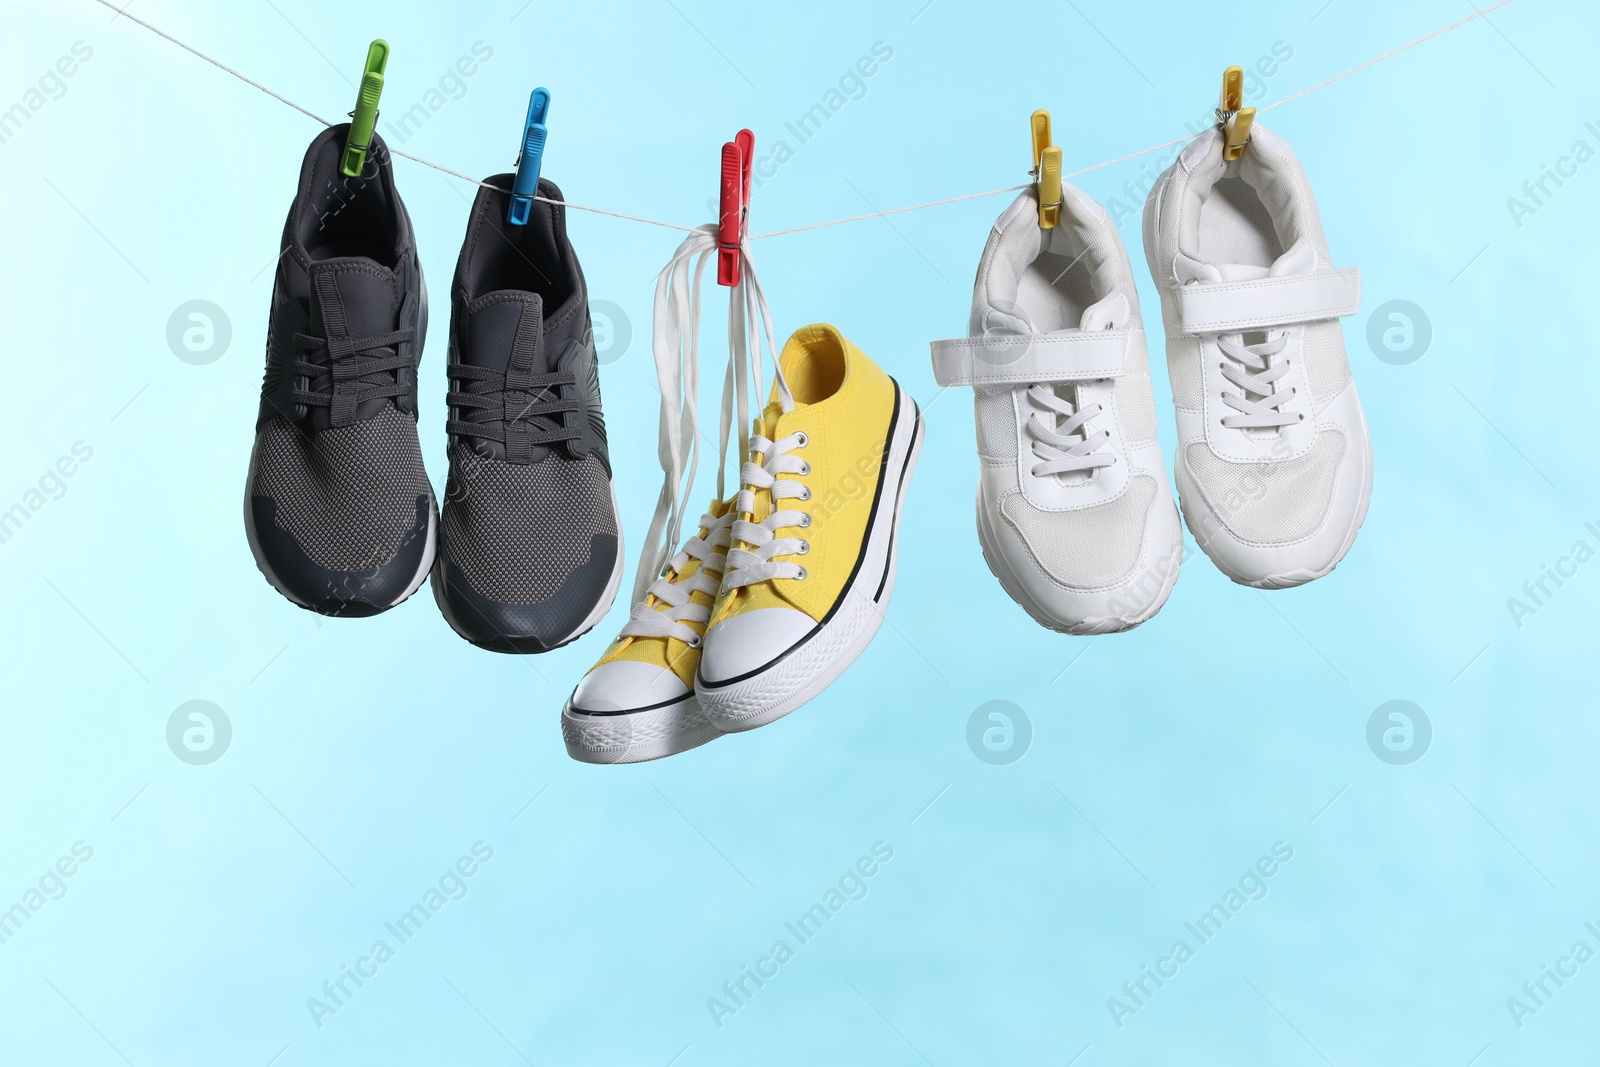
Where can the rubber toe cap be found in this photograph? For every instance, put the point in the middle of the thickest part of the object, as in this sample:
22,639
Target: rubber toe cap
745,643
627,685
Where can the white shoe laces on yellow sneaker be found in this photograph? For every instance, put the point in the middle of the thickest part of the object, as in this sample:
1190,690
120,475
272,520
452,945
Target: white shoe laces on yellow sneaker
676,344
760,562
674,607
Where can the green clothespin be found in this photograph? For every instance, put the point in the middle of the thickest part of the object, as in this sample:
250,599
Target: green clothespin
365,117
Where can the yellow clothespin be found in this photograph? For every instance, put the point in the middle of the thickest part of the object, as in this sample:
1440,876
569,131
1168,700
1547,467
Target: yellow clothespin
1046,171
1233,119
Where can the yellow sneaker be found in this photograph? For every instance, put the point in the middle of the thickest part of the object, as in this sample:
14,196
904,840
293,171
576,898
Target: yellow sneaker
638,703
812,562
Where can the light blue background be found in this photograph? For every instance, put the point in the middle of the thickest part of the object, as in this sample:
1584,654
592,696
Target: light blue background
367,755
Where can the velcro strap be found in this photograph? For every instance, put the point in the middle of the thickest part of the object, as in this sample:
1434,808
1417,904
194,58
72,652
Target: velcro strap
1012,359
1234,307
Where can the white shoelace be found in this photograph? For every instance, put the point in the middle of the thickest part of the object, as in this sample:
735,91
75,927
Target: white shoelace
760,561
1254,373
675,608
676,344
1061,435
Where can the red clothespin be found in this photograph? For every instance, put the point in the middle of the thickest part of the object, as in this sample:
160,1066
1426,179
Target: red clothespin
733,223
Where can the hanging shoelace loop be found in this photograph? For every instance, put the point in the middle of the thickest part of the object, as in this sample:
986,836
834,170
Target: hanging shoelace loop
676,345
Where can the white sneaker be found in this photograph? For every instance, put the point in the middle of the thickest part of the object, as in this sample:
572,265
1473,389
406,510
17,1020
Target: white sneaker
1274,464
1074,514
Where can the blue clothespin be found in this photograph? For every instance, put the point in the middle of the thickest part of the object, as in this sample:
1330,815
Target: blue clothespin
528,160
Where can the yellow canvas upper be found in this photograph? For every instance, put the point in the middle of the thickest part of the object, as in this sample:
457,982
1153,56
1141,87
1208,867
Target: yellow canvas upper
843,403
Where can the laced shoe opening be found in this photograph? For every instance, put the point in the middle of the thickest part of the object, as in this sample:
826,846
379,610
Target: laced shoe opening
677,605
1068,392
1042,281
758,552
1067,442
1254,338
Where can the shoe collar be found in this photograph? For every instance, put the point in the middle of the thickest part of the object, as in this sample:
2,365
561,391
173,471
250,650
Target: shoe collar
1085,235
1269,167
326,193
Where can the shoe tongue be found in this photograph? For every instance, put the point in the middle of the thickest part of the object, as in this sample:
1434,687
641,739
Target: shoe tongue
354,297
1107,314
494,322
504,332
1006,321
1104,314
1301,259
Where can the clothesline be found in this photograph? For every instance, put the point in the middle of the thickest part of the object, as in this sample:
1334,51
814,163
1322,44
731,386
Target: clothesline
815,225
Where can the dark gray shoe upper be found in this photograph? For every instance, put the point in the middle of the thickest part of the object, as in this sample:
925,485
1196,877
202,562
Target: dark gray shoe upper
528,537
339,510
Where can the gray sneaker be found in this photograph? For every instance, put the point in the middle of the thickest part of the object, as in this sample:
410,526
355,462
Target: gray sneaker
530,546
338,509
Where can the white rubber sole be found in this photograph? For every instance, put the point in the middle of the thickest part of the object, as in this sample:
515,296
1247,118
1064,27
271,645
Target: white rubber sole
430,549
1101,624
636,736
808,668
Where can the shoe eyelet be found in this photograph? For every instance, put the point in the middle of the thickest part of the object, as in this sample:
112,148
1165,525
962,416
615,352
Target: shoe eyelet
805,467
801,576
805,548
806,494
695,642
805,520
803,440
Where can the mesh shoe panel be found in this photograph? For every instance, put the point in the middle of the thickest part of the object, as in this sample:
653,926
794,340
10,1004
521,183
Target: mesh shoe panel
1327,367
1136,403
348,496
997,427
517,531
1093,548
1183,371
1270,503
